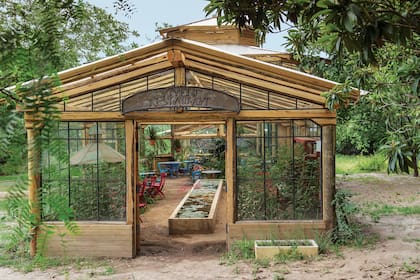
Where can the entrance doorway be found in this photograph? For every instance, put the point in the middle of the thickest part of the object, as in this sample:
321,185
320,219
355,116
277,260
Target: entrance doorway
184,152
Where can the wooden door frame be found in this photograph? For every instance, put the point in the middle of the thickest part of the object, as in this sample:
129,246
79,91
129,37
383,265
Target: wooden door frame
229,162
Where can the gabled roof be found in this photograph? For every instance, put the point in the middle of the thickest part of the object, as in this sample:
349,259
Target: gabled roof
119,76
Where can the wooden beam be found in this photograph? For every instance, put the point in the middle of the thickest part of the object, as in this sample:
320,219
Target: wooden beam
230,171
112,62
115,80
163,116
91,116
274,114
252,73
95,239
34,155
323,122
112,72
253,230
129,158
289,91
176,58
269,69
328,175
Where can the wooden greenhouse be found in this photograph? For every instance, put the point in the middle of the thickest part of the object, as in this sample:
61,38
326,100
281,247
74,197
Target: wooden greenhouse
279,137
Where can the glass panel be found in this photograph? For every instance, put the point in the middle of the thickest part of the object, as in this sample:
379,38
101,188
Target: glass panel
279,101
197,79
133,87
85,167
161,80
229,87
253,98
81,103
278,173
106,100
308,105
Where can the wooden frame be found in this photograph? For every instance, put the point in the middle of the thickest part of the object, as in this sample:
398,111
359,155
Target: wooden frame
178,55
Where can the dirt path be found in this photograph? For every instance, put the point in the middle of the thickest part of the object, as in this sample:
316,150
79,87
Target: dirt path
395,256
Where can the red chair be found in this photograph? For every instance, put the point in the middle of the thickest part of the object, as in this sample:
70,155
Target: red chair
157,185
141,200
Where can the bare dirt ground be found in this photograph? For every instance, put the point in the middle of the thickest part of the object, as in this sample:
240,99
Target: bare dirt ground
396,255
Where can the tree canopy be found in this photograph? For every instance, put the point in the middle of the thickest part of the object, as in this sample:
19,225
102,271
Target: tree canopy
353,25
38,39
372,45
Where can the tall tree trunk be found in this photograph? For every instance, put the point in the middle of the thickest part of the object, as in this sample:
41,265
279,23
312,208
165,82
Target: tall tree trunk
415,165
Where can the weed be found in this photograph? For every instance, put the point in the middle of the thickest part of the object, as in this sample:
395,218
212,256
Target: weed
109,270
264,263
278,277
3,205
371,163
378,210
417,240
410,267
336,248
283,270
291,255
360,164
346,228
237,270
324,241
240,250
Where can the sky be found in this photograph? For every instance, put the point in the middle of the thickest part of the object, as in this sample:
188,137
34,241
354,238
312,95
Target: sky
173,12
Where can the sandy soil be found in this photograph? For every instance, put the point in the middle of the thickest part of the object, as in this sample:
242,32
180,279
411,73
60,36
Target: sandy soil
395,256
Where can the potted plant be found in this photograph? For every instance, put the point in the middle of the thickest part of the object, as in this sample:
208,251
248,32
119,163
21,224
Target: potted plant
177,145
151,135
270,248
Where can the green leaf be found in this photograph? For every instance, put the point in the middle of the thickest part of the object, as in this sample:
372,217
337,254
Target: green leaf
350,20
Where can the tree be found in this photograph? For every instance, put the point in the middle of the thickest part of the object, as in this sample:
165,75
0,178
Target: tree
40,38
353,25
384,34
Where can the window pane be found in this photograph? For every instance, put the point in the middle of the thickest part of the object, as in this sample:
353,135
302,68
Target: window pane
84,167
278,173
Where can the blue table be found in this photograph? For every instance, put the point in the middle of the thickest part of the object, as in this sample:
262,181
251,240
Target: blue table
169,166
188,166
211,173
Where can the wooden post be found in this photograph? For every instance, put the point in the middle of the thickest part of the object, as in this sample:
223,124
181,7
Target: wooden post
230,171
33,182
328,174
131,205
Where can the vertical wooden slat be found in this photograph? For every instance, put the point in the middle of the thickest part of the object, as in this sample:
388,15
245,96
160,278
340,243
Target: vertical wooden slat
328,174
180,76
230,171
33,181
129,152
136,225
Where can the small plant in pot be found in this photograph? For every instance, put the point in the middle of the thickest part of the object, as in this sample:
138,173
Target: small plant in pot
151,135
177,145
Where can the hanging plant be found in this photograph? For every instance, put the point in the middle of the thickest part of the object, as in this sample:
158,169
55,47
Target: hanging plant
177,145
151,135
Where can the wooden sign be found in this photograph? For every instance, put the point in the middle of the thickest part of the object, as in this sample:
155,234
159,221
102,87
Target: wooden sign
180,99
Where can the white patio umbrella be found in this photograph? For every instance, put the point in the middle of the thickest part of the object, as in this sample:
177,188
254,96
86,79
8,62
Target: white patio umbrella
91,154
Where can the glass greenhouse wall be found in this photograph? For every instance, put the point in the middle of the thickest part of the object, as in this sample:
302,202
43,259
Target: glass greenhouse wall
278,170
84,168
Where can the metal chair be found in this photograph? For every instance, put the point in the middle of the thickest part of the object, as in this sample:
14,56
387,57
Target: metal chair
195,175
